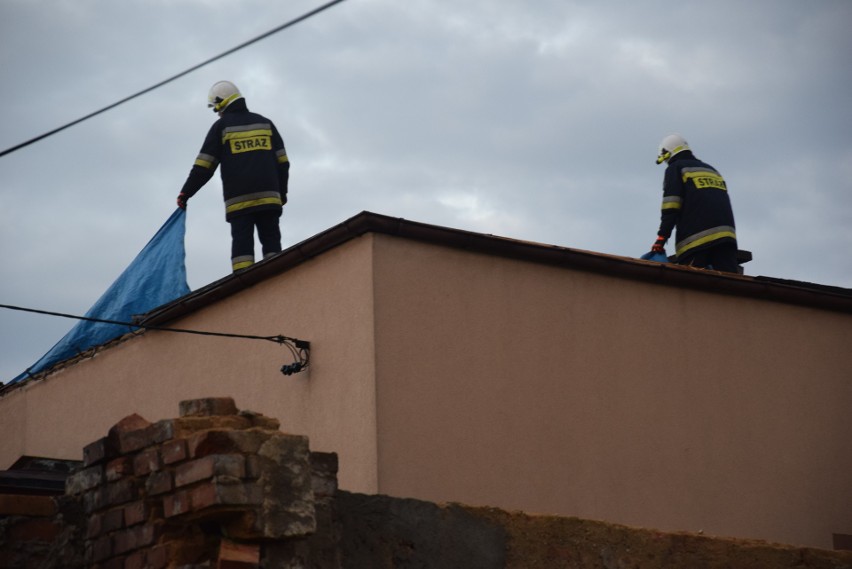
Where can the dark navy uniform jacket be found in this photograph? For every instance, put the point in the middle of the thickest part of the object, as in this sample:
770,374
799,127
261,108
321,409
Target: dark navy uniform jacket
255,167
696,201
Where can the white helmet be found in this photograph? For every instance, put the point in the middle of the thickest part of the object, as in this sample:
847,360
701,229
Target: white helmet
671,145
221,95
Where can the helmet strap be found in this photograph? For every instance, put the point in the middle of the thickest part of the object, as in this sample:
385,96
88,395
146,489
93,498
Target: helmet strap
222,103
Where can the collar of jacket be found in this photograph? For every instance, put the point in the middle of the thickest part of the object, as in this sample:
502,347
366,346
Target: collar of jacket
685,155
238,106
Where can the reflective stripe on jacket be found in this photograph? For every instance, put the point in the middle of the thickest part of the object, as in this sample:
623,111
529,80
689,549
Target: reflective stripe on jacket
252,200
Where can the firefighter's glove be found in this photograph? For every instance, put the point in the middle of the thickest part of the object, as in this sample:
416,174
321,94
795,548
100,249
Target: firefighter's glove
181,200
659,245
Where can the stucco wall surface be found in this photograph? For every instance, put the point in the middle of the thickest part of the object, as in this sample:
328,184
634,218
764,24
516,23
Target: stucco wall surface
554,391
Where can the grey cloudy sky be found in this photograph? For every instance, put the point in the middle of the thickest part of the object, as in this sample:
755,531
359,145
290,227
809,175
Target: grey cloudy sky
531,120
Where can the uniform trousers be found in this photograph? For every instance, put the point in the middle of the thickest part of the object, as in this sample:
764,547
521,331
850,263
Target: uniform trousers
242,237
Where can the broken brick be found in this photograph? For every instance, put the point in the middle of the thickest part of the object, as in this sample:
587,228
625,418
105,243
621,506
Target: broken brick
112,520
173,451
176,504
136,513
118,468
130,424
146,461
162,431
209,466
94,499
159,482
208,406
211,494
133,441
98,451
261,421
93,527
186,426
84,480
134,538
120,492
238,555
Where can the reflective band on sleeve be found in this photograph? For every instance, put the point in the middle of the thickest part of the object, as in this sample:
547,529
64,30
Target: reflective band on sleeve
281,155
672,202
206,161
704,237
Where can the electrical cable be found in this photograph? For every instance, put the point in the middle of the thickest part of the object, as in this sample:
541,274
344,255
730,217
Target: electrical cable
174,77
300,349
278,339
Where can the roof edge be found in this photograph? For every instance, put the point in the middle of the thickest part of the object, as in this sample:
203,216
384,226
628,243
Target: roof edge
763,288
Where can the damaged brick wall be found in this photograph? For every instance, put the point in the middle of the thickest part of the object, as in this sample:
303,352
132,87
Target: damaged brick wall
223,488
203,490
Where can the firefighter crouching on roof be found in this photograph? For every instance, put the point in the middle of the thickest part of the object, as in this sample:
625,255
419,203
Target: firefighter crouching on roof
255,172
696,201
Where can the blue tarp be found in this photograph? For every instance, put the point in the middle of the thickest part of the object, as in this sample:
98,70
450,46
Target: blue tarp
156,276
651,256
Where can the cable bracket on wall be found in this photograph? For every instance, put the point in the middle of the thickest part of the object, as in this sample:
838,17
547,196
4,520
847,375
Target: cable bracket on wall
301,350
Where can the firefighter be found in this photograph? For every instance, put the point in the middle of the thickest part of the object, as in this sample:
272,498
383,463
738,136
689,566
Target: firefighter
696,201
255,172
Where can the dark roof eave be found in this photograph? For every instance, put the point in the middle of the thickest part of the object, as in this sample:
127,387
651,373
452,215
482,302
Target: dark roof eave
827,298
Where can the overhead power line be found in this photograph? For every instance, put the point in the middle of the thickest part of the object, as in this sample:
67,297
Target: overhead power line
174,77
299,348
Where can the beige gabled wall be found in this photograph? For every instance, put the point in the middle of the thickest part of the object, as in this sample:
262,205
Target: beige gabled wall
327,301
523,386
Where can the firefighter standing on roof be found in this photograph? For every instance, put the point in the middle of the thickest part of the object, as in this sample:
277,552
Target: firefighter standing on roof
255,172
696,201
